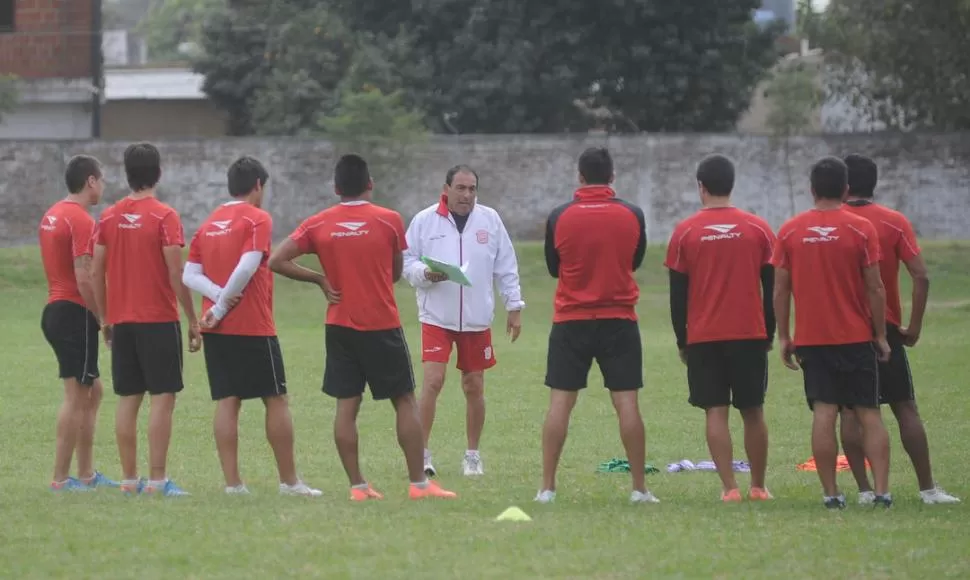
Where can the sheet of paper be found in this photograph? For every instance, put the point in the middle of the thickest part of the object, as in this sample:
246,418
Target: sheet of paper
455,273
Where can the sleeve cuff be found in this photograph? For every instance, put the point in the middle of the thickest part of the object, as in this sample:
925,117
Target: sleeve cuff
219,311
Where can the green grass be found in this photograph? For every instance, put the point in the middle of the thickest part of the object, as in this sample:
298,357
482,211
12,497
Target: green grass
591,532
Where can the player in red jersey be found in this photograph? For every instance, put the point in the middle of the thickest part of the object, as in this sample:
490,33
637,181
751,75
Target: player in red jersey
227,265
71,322
721,284
360,248
593,245
828,258
898,244
137,277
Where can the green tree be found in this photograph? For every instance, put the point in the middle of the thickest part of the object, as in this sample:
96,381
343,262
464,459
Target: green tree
371,115
794,97
308,58
235,62
676,66
277,66
491,67
171,23
9,94
523,66
903,63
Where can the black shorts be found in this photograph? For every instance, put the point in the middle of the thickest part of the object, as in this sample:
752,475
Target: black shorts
146,357
613,343
72,331
245,367
895,378
846,375
728,372
378,358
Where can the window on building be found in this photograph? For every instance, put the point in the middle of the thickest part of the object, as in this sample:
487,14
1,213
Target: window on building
7,10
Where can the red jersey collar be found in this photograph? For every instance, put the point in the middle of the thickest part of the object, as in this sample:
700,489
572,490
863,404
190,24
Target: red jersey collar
594,192
443,206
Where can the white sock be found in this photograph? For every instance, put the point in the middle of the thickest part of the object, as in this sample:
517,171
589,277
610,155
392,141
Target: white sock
360,486
471,453
157,482
427,454
420,484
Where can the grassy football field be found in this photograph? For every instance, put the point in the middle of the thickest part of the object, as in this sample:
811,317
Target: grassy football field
590,532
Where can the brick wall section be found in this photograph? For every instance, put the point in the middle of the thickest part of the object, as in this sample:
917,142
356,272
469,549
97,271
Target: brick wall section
51,39
927,177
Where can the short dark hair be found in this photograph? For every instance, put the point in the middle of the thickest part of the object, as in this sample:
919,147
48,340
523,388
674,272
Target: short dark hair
450,176
143,166
716,174
244,174
829,178
79,169
596,166
863,175
351,176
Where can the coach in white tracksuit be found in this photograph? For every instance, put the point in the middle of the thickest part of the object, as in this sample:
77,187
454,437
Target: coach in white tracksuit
460,231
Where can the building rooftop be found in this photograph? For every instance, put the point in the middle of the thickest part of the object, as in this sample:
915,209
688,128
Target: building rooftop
128,84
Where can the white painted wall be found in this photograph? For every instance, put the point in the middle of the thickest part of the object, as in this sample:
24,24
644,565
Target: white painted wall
47,121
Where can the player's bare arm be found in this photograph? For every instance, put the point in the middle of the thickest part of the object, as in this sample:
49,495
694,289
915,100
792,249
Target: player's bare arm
173,262
782,303
100,291
877,305
921,293
85,284
281,261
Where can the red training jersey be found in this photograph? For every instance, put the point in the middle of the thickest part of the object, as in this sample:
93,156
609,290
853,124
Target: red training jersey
65,235
234,229
721,251
356,242
825,251
897,243
133,232
593,245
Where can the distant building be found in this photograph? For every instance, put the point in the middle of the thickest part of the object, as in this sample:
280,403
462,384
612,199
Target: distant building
76,81
54,50
157,103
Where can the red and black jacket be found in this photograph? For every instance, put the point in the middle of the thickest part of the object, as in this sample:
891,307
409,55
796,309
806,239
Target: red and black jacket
593,246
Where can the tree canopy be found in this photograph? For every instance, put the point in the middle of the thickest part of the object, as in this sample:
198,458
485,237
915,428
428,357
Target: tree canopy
486,66
904,63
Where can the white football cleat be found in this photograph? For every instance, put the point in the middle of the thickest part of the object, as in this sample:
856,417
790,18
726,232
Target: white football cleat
937,495
472,466
643,497
546,496
300,489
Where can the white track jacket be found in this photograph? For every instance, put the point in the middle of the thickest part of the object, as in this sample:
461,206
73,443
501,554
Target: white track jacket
487,249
